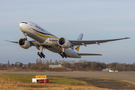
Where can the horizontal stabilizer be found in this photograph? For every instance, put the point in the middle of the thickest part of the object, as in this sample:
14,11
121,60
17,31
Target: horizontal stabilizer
82,54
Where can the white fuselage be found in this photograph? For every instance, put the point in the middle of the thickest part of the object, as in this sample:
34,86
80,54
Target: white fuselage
42,36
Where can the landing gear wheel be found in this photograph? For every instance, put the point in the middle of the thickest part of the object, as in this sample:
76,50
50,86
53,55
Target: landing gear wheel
41,55
63,54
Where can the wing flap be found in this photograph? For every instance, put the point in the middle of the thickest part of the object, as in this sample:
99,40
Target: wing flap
84,54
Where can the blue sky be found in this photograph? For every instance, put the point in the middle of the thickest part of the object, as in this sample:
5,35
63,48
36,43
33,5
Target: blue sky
96,19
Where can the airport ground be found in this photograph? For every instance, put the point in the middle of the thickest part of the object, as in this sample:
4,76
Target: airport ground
114,80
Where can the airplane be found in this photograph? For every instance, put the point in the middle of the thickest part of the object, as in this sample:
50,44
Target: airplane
45,40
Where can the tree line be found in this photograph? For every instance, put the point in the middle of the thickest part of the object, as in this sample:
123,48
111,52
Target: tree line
72,65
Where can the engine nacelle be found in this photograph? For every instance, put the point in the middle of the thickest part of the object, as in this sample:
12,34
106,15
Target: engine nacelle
64,43
24,43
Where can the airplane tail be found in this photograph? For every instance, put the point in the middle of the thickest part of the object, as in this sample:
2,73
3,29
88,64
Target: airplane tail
84,54
79,39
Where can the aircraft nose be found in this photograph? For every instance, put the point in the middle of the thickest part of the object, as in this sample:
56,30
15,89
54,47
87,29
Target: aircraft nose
22,26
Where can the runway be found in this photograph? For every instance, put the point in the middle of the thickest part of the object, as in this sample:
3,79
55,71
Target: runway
127,76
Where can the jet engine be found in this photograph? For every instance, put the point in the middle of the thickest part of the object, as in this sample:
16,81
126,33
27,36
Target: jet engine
24,43
64,43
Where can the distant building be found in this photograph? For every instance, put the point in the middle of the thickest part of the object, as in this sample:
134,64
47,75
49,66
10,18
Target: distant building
55,66
107,69
110,70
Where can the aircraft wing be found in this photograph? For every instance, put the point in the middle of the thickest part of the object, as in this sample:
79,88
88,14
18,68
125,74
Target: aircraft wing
82,42
11,41
31,42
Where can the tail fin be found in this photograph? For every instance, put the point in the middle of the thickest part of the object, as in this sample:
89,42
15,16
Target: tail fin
79,39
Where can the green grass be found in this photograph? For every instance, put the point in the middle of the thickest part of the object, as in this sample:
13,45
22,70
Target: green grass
66,81
52,80
21,78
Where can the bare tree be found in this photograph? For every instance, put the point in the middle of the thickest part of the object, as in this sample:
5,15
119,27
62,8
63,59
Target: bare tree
56,62
8,64
50,62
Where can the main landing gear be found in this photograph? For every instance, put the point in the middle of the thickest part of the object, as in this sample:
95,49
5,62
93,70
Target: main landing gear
63,54
41,55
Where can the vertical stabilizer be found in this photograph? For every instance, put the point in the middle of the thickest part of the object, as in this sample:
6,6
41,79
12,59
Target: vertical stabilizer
79,39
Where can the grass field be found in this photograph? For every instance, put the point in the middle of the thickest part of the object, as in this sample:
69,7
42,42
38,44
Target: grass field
23,82
53,80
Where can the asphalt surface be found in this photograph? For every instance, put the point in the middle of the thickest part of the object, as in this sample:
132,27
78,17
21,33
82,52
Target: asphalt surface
127,76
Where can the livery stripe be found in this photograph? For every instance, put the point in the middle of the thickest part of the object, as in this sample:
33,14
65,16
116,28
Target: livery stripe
78,48
43,34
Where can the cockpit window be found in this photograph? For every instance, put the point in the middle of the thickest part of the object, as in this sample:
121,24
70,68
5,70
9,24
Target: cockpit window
25,22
